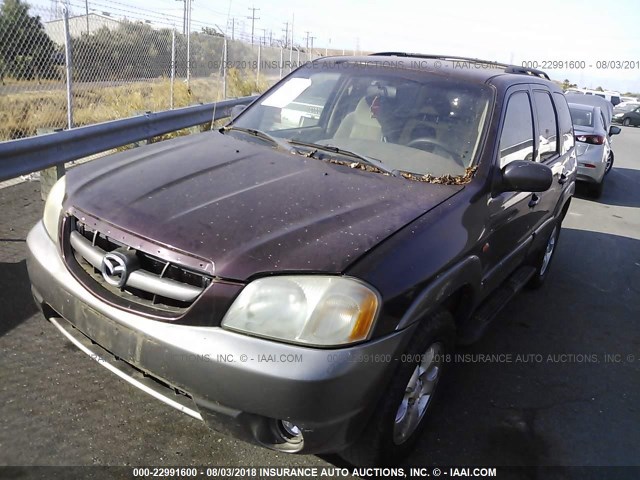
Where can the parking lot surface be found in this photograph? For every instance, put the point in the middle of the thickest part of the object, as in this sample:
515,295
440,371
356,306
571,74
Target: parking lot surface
556,381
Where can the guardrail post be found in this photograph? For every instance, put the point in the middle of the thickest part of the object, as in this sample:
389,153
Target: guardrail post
145,141
50,175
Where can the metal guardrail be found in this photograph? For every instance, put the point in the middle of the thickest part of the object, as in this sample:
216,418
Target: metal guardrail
26,155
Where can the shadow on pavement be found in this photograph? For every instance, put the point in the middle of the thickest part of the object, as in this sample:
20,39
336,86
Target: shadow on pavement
537,389
16,302
620,188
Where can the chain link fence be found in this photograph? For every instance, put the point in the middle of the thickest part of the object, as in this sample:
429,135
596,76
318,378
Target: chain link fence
60,69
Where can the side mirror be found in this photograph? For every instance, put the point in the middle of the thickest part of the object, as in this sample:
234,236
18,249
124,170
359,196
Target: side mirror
237,110
613,130
525,176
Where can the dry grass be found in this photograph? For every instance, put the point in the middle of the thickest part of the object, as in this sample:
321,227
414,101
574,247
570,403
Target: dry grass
23,113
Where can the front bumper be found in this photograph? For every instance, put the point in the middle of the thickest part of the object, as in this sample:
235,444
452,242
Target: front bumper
237,384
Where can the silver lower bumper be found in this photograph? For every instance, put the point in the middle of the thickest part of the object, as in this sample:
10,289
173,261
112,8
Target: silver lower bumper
238,384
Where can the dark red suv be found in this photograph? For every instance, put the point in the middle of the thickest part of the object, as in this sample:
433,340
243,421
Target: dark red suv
297,278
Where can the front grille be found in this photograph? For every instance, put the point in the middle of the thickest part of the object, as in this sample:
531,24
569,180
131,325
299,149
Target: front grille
152,282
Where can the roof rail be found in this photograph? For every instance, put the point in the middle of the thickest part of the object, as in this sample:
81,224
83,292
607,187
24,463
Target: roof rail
507,68
526,71
439,57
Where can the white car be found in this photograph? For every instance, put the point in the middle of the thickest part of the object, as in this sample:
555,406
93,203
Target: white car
611,96
593,145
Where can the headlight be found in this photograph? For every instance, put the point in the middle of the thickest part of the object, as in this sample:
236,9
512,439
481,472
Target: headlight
312,310
618,115
52,209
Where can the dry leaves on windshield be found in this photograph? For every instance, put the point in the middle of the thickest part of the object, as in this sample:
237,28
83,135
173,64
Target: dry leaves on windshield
442,180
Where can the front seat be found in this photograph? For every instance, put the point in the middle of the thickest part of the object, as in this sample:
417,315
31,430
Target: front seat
360,124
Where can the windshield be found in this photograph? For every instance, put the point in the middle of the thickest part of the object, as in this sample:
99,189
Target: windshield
410,121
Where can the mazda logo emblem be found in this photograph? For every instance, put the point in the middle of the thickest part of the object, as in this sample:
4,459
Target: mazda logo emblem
115,269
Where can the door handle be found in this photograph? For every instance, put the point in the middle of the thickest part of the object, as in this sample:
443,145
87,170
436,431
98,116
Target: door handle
563,178
535,199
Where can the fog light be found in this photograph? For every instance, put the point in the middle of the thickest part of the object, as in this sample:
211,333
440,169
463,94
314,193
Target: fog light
291,431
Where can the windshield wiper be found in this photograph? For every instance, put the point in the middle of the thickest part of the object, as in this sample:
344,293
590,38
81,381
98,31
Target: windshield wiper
278,142
341,151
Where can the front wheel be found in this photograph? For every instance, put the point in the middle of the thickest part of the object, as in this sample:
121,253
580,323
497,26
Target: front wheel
609,163
400,416
626,122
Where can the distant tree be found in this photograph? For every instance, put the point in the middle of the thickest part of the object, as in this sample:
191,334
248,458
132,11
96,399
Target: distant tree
600,89
566,84
26,51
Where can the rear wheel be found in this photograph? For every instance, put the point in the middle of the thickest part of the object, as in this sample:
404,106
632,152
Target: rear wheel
544,258
399,418
626,122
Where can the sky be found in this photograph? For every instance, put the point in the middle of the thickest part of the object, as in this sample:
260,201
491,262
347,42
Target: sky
504,31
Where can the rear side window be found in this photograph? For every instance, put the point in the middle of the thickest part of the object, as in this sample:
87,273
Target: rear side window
615,100
516,139
547,126
565,127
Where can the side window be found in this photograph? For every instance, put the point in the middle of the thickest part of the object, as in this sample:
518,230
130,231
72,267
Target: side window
547,126
565,127
516,139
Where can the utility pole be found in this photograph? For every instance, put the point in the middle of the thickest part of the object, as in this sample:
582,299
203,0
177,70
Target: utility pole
293,19
233,28
184,16
253,19
86,8
311,50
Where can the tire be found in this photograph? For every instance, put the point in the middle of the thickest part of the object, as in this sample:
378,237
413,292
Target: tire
609,163
544,258
626,122
391,434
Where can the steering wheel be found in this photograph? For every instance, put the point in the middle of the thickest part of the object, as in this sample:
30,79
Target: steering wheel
429,145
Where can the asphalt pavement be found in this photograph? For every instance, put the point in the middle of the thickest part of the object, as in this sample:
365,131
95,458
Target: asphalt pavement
555,381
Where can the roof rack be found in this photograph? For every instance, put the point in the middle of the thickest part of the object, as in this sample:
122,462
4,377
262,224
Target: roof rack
526,71
507,68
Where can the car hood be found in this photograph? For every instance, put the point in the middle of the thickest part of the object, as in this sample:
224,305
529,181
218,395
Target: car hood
246,207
